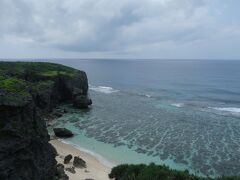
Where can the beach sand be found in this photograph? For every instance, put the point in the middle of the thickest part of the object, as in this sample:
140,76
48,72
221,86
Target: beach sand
94,170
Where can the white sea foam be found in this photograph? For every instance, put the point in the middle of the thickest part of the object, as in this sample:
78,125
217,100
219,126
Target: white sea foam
147,95
177,104
233,110
103,89
100,158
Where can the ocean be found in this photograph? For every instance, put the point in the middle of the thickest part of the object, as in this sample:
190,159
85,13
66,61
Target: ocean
181,113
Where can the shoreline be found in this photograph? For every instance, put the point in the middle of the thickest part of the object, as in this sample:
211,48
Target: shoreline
95,169
106,162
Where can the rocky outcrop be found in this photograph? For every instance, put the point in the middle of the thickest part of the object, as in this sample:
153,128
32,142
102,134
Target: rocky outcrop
79,162
71,88
62,132
60,173
67,159
64,88
71,170
28,91
25,153
81,102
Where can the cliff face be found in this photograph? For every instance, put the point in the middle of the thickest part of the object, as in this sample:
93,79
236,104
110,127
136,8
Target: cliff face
62,88
27,92
25,153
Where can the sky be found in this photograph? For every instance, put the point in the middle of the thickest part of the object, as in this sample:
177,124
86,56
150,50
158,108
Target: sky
161,29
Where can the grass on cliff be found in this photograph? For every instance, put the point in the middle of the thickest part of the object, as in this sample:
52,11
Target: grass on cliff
155,172
13,91
56,73
35,69
14,85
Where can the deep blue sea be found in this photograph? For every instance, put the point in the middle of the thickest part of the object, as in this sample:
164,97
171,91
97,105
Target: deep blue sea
182,113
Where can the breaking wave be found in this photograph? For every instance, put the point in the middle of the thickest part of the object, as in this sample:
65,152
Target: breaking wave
177,104
103,89
233,110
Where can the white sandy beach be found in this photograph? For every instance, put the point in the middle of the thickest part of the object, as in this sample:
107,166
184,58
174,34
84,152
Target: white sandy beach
95,169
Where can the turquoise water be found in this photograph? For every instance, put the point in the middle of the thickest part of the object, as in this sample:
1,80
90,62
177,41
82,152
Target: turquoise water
185,114
107,152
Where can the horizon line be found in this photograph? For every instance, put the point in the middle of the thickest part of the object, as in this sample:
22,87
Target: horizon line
43,59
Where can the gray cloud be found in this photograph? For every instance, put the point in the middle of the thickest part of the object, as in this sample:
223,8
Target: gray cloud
111,26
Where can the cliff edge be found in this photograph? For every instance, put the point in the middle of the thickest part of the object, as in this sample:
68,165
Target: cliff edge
28,91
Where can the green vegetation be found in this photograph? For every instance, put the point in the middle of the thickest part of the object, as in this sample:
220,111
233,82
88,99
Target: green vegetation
35,68
56,73
155,172
14,85
19,79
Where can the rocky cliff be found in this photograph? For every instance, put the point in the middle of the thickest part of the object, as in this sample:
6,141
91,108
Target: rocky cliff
28,91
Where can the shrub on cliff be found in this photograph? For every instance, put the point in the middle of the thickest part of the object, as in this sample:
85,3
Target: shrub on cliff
152,171
155,172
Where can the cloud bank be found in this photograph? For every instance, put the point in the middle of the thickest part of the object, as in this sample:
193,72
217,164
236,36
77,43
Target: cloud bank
113,28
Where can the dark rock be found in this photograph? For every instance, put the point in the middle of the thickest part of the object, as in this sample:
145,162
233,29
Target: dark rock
65,110
82,102
61,173
62,132
79,162
71,170
67,159
73,89
25,153
58,114
60,170
64,177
